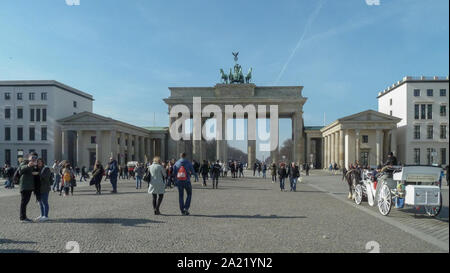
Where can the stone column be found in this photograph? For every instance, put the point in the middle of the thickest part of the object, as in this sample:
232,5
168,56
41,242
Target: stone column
379,145
80,148
324,154
357,140
298,137
114,144
197,144
222,146
332,147
129,147
151,149
163,149
341,148
98,147
336,147
308,149
65,144
141,149
394,142
251,149
122,148
347,148
136,148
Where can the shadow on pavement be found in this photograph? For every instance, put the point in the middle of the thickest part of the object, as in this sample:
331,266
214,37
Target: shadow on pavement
249,216
7,241
126,222
17,251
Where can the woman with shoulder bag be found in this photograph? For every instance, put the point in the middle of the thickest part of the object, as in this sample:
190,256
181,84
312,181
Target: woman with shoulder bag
157,185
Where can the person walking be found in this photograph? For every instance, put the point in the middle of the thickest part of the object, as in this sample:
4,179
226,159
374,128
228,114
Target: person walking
282,173
8,174
56,168
241,169
139,174
259,169
204,170
45,183
157,185
307,168
125,172
196,167
446,174
293,173
255,166
97,176
264,170
216,174
84,174
274,172
113,171
27,173
182,171
68,177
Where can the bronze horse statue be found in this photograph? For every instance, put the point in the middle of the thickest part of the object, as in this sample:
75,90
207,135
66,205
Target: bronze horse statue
224,76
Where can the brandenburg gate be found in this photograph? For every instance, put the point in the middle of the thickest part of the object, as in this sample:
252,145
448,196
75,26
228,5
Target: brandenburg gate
236,90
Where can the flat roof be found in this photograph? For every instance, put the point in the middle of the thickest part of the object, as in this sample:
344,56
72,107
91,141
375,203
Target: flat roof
47,83
411,79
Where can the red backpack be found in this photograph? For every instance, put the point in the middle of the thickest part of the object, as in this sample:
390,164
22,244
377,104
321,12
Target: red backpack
182,175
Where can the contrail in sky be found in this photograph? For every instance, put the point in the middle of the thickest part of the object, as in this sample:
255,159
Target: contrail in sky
311,19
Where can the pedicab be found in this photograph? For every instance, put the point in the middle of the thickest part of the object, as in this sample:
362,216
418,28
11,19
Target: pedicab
417,186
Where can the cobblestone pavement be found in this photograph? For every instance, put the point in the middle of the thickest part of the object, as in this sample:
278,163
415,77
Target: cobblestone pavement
243,215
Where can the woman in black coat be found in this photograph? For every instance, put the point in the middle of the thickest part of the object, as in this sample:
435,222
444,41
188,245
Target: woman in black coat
97,175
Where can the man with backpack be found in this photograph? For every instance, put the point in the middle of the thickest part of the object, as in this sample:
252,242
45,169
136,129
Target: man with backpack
182,171
216,174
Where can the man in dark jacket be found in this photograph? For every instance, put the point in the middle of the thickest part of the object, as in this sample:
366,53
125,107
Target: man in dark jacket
294,173
204,170
391,160
113,172
216,174
27,172
182,171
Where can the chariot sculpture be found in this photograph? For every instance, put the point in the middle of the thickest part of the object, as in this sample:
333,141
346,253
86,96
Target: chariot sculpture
236,75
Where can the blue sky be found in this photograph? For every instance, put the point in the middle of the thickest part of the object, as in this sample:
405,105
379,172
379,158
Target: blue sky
128,52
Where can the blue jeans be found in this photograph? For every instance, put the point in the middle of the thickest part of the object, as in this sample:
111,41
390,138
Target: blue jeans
113,181
43,204
293,184
56,183
282,183
196,177
182,186
264,174
138,182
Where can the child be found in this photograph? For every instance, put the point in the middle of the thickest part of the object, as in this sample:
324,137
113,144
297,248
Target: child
67,178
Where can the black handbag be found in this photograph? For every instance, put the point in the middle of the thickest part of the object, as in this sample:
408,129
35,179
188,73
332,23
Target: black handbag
147,176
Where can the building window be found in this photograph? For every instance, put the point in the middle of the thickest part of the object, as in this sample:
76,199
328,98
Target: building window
38,114
443,133
19,113
443,156
423,109
7,113
32,134
417,156
74,104
390,102
132,143
7,133
7,96
31,96
416,92
365,139
430,111
417,132
43,96
443,92
390,112
8,156
19,96
429,92
431,154
44,155
443,110
416,111
32,115
44,114
44,133
430,132
19,134
93,140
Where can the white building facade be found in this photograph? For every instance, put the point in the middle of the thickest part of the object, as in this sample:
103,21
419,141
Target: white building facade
422,105
29,111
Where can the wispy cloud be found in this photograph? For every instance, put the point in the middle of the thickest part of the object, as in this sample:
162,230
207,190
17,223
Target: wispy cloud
310,21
